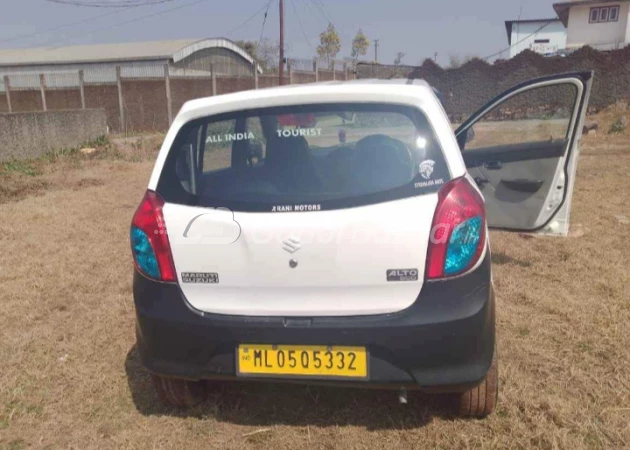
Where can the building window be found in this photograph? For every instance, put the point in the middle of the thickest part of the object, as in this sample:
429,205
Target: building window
604,14
541,41
613,16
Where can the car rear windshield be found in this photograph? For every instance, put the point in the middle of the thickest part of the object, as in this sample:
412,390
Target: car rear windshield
304,158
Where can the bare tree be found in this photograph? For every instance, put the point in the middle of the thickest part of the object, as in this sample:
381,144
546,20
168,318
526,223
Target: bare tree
266,53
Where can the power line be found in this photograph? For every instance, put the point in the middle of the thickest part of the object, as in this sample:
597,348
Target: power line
319,9
137,19
262,31
301,27
516,43
319,5
246,21
110,3
319,19
322,8
79,22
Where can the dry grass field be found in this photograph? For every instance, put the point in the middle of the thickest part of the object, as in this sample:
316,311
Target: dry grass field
70,375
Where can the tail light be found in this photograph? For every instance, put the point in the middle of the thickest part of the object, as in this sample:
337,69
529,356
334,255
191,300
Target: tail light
149,241
458,233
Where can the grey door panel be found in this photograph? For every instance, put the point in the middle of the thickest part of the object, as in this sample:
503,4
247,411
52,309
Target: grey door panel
515,191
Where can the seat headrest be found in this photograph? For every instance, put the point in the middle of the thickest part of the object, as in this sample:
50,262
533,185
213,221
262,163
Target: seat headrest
287,149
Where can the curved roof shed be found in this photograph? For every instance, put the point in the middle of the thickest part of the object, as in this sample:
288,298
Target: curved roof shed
223,55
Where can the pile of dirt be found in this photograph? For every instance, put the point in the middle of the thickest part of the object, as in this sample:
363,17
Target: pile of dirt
612,120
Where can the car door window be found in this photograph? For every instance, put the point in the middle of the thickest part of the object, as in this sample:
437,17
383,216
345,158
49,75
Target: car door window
537,115
217,152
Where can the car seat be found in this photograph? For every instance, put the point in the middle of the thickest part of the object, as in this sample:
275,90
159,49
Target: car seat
290,164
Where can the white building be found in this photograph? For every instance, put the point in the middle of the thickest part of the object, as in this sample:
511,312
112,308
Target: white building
544,36
602,24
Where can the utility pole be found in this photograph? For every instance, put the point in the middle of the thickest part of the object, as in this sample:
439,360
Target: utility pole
375,49
281,68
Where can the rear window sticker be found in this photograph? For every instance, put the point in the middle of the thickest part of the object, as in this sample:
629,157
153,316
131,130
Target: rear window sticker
229,137
424,184
402,275
296,208
300,132
200,277
426,168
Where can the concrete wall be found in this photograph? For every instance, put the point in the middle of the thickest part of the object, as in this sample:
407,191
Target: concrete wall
30,135
554,32
602,36
144,100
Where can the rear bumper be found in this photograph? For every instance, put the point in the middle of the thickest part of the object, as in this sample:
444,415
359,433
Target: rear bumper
444,342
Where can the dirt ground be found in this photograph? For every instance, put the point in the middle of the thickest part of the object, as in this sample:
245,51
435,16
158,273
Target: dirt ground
70,375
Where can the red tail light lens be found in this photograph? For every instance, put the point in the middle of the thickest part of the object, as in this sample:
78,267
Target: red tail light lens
458,233
149,240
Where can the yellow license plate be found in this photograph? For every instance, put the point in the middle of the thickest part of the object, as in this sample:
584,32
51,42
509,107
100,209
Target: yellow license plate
310,361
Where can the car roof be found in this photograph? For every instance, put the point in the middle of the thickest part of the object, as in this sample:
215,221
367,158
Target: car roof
365,87
363,81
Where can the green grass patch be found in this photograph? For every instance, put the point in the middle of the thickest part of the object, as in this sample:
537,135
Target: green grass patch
617,127
23,167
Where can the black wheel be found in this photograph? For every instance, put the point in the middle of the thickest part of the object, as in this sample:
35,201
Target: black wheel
179,393
481,400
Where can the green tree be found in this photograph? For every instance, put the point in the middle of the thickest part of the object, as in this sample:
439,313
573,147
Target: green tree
329,43
360,45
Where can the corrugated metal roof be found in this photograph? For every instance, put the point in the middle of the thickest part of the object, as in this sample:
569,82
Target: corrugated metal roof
132,51
94,53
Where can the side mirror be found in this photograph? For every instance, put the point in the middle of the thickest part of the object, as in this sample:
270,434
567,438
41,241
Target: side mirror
465,137
470,134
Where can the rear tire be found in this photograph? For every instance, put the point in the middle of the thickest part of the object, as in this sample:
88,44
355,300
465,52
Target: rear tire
179,393
480,401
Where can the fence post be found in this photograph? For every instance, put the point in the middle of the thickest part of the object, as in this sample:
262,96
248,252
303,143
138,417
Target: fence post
82,88
255,75
290,70
121,105
316,69
214,80
169,105
7,91
42,88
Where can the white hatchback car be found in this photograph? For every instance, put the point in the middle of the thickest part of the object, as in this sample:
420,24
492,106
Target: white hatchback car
337,233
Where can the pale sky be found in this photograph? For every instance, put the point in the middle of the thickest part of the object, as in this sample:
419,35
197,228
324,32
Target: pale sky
419,28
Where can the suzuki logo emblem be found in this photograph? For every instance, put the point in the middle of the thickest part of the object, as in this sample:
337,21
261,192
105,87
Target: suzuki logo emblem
291,245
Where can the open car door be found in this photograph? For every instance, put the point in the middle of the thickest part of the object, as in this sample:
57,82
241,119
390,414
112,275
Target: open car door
523,152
